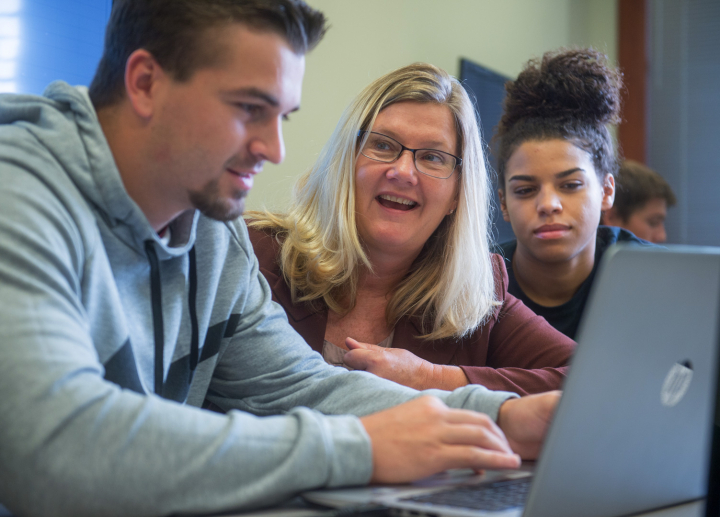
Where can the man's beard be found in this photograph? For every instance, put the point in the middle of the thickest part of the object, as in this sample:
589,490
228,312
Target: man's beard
211,205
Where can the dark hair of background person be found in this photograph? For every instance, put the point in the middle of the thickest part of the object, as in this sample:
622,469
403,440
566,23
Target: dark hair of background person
176,33
636,185
569,94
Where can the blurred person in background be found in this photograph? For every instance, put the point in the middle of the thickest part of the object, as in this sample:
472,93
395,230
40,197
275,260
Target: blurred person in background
642,198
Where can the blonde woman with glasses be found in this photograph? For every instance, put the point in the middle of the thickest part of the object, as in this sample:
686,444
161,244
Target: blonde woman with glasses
382,261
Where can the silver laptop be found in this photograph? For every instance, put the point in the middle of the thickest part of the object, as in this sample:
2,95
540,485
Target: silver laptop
632,431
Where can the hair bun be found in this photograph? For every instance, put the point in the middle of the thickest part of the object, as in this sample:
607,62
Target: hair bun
575,85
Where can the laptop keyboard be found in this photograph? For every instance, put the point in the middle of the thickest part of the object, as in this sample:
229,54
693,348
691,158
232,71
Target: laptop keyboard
497,496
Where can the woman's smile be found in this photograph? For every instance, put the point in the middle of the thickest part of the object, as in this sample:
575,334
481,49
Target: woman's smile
402,204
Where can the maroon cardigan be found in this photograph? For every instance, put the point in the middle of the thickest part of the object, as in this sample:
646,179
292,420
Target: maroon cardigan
515,351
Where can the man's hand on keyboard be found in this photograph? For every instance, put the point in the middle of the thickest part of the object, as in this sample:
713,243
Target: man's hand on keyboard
423,437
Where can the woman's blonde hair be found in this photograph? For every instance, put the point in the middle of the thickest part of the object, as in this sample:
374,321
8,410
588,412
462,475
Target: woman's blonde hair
451,284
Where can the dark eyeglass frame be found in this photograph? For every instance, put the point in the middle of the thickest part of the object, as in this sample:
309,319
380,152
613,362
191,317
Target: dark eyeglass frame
403,148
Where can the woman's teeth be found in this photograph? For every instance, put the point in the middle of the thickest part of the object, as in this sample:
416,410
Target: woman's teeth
398,200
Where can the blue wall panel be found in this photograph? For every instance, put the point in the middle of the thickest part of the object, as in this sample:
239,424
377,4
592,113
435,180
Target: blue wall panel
45,40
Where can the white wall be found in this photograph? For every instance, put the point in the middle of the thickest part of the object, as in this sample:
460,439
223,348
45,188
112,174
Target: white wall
368,38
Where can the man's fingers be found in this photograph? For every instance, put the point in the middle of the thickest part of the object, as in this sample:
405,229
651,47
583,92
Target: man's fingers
478,429
468,428
459,457
424,436
495,460
476,436
461,416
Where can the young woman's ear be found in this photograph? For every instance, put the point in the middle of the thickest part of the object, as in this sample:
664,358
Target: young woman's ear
503,205
608,188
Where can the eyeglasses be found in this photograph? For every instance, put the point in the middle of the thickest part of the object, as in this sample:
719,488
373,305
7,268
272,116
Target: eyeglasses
430,162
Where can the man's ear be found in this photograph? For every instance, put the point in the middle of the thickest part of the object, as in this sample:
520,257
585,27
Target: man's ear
503,205
608,187
143,74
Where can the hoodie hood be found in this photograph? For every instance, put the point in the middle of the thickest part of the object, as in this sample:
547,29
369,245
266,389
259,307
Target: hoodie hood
58,120
66,125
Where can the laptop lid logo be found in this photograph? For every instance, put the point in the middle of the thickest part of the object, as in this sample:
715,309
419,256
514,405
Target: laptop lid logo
676,383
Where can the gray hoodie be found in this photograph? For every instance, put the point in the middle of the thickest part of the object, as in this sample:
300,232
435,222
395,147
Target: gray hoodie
111,340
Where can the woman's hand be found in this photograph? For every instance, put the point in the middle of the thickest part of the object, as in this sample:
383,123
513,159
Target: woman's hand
402,366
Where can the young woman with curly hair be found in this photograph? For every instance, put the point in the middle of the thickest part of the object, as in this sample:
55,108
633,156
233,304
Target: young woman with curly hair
556,175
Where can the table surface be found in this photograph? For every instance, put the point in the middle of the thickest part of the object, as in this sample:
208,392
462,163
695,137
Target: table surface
298,508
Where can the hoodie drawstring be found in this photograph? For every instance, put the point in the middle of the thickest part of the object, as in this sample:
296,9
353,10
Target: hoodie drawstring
156,299
192,304
158,328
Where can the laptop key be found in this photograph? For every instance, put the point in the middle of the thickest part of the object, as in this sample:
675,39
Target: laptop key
497,496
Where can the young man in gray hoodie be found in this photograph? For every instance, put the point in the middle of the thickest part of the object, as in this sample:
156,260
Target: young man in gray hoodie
131,295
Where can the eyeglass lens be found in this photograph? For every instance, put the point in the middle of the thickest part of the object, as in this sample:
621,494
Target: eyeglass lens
428,161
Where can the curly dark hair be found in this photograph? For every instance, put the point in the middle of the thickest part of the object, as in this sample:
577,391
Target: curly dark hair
568,94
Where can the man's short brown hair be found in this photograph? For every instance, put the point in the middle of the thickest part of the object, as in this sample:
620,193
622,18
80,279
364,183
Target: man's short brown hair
636,184
175,33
